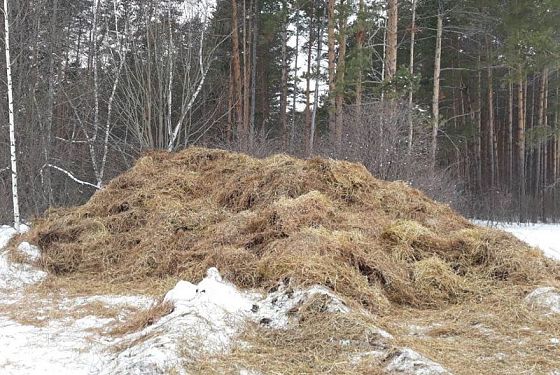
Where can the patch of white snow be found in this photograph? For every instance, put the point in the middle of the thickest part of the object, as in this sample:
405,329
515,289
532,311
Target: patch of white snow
546,298
407,361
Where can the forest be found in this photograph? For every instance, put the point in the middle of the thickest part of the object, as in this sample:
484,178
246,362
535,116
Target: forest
457,98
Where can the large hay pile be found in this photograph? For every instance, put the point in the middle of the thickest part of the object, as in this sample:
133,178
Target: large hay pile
260,221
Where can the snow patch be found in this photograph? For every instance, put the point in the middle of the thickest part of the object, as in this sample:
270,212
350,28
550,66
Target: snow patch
546,298
30,251
543,236
275,310
407,361
205,318
6,234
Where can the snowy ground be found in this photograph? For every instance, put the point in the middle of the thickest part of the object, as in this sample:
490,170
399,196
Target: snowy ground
544,236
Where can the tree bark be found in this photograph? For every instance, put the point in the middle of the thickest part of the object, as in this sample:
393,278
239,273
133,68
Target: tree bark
435,98
331,66
491,162
360,37
411,71
236,67
340,78
521,140
284,80
392,28
13,153
509,157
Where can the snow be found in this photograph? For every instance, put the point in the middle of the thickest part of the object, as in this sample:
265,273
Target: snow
209,314
275,308
32,252
14,276
545,298
544,236
6,234
407,361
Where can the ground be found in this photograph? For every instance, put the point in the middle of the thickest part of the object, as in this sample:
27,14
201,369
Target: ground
73,333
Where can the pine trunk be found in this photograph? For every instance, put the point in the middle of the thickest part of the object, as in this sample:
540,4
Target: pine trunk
435,98
391,53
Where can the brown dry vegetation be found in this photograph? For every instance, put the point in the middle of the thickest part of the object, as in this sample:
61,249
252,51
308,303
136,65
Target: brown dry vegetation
259,221
383,246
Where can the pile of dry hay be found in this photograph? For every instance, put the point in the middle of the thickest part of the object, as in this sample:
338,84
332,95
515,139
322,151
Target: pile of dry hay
259,221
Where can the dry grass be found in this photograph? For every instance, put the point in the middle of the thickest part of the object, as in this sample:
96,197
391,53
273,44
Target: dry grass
320,343
497,335
259,221
142,319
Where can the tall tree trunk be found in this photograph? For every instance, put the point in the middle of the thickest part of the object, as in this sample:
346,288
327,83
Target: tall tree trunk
490,140
411,71
556,140
340,77
360,37
308,81
296,80
391,54
13,154
246,76
539,128
255,32
509,157
47,185
284,80
317,77
521,141
435,98
478,135
236,67
331,66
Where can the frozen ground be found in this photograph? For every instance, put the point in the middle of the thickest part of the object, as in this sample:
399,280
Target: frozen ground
544,236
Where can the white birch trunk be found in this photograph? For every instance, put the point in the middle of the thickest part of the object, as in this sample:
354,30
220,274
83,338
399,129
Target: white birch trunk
13,155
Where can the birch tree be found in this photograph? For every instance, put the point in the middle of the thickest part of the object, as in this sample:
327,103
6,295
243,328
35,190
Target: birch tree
12,125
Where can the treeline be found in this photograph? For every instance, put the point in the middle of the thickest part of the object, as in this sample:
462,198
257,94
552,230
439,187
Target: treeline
458,97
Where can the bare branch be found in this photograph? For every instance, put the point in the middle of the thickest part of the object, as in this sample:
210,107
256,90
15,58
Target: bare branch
72,177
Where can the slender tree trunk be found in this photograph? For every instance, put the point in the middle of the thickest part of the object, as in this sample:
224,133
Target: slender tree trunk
340,79
521,142
539,127
331,66
310,43
255,31
509,157
236,67
435,98
13,153
230,107
296,80
479,136
490,140
50,106
360,37
411,71
246,77
556,139
317,77
392,25
284,81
